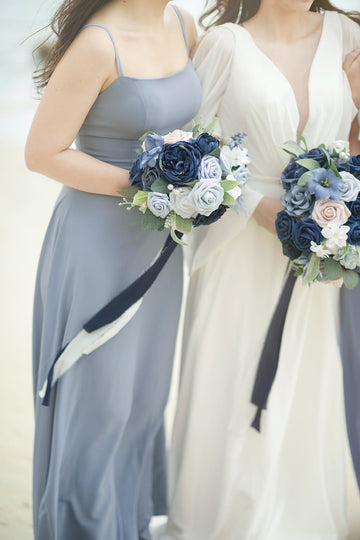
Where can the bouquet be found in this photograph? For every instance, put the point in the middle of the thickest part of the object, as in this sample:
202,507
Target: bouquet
184,179
320,225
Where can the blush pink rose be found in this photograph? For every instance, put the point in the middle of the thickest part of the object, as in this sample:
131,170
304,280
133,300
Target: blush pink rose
176,136
326,211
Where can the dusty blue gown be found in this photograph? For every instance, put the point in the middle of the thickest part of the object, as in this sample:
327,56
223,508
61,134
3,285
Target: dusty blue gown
99,455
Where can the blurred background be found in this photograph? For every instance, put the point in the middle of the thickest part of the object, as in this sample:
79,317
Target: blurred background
26,203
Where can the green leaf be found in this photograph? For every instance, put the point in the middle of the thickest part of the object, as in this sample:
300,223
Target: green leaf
176,238
228,184
333,168
160,186
312,270
228,200
302,139
130,192
142,139
332,269
140,198
351,279
304,178
183,225
152,223
292,148
210,127
215,153
309,164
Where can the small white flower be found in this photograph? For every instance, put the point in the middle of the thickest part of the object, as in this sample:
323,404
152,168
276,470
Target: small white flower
336,236
231,177
320,250
237,156
235,192
340,148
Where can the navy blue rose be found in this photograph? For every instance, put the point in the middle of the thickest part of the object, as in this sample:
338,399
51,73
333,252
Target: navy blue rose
341,164
136,173
315,153
354,165
354,234
289,250
285,226
292,173
148,177
214,216
179,162
206,143
354,207
305,232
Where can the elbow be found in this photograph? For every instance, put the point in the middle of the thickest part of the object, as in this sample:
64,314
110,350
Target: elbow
34,159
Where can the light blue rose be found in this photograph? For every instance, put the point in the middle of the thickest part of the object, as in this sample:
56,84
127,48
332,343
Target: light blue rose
298,201
350,188
206,196
159,204
210,168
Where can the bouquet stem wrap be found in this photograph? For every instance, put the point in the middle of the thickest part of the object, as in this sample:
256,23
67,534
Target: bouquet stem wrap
107,322
269,358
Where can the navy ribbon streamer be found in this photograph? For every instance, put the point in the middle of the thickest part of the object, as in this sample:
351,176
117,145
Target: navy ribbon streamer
128,297
269,359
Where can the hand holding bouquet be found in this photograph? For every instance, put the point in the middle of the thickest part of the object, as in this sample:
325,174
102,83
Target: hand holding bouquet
320,225
184,179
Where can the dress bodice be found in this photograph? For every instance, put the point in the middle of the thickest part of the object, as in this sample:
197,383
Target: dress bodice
130,107
258,99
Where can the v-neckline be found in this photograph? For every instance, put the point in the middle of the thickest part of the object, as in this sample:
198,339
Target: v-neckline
278,70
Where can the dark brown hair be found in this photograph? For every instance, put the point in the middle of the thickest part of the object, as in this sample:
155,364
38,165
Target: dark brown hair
238,11
68,19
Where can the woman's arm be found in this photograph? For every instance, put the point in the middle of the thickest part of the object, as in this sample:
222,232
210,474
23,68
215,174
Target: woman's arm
82,73
352,70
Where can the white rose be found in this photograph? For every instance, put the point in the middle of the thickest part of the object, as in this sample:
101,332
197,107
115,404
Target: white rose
337,147
181,202
350,188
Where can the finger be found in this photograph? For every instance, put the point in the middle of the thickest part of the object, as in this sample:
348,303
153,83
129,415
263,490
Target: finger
350,58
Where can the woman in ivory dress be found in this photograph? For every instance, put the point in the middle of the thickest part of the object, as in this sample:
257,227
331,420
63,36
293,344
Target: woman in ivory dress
274,72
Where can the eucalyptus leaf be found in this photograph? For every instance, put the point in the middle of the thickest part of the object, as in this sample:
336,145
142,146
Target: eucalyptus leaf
228,184
312,270
152,223
309,164
302,139
292,148
333,168
183,225
332,269
215,153
304,178
351,279
130,192
160,186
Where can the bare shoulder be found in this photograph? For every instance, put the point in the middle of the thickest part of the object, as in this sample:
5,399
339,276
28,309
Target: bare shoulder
93,45
191,31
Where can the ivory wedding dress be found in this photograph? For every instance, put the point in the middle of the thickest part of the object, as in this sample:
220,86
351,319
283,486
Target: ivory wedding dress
229,482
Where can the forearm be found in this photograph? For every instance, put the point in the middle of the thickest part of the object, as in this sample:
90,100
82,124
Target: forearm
78,170
354,138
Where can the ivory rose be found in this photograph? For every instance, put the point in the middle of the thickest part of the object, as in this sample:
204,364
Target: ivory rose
176,136
326,211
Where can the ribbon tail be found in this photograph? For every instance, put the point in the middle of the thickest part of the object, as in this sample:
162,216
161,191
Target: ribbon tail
269,359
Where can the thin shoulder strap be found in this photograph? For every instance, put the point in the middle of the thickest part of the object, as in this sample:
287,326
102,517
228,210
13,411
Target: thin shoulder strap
118,63
182,22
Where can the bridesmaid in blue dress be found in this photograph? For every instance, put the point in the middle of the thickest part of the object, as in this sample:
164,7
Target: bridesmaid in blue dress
117,70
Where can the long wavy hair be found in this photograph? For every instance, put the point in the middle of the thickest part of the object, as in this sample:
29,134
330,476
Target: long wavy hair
68,19
239,11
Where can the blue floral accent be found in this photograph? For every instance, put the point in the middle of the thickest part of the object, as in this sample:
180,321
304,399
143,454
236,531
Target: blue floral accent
148,177
304,233
289,250
179,162
136,173
159,204
210,168
206,143
285,226
354,207
315,153
206,196
354,234
298,201
354,165
324,184
292,173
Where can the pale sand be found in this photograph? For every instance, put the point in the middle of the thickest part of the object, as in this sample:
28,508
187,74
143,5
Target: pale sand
26,204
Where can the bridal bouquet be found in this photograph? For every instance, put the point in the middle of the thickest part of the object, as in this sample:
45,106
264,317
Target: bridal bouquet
320,225
184,179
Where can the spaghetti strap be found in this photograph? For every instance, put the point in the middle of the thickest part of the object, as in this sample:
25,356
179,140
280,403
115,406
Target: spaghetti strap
118,63
182,22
